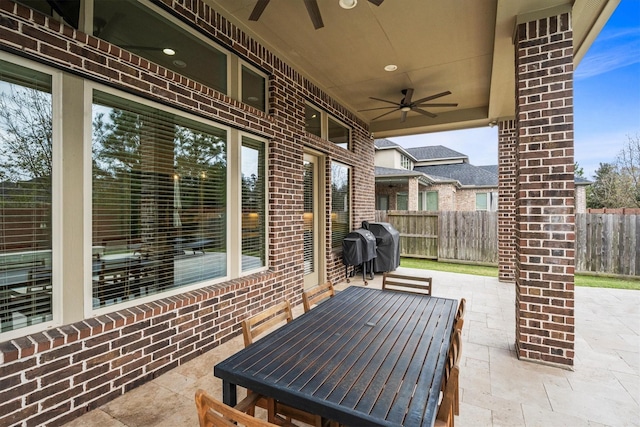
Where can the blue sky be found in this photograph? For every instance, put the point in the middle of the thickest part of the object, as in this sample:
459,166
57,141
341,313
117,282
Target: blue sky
606,100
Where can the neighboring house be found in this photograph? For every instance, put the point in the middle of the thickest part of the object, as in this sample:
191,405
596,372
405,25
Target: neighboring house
436,178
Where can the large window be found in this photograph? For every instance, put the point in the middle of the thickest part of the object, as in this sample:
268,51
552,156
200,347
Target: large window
320,124
313,121
138,28
26,169
159,200
253,204
338,133
340,203
487,201
253,86
402,201
428,201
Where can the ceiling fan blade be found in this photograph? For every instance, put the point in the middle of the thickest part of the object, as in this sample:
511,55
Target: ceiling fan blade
314,13
384,100
451,104
429,98
379,108
258,9
376,2
408,93
393,111
403,117
425,112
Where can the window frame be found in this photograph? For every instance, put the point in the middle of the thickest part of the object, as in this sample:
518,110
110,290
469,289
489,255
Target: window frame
486,201
324,126
265,202
230,86
57,172
400,194
91,311
242,63
349,194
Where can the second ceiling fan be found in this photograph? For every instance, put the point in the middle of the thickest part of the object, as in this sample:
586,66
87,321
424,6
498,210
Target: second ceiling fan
406,104
312,9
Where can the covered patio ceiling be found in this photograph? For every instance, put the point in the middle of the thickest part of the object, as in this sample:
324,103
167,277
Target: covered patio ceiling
464,47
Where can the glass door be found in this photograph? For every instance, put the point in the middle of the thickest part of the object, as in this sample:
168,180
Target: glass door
311,219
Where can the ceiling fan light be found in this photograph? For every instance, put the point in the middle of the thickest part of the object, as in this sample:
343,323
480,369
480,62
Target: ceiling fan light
348,4
405,109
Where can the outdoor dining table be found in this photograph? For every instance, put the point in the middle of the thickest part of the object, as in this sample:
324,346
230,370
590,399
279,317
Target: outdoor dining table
364,357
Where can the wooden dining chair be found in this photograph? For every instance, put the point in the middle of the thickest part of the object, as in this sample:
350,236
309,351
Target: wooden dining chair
406,283
445,416
455,351
266,320
252,329
460,314
213,413
317,294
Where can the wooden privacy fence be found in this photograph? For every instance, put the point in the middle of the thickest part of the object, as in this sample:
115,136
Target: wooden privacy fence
605,243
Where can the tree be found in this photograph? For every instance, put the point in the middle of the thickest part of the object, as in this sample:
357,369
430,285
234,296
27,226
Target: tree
26,147
628,163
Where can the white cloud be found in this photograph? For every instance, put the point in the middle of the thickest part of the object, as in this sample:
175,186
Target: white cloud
612,50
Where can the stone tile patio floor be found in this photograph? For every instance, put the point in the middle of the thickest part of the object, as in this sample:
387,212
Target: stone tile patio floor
497,389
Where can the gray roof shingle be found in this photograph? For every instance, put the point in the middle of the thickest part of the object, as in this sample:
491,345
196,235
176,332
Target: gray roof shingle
465,173
434,152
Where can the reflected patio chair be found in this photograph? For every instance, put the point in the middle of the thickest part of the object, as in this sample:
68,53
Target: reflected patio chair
406,283
252,329
317,294
213,413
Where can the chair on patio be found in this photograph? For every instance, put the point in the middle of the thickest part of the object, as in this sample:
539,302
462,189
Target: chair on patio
316,295
406,283
455,350
252,328
213,413
445,416
460,314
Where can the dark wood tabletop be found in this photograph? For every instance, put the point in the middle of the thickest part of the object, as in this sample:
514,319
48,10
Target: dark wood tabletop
364,357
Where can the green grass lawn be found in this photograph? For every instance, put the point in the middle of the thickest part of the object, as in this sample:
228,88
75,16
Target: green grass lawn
580,280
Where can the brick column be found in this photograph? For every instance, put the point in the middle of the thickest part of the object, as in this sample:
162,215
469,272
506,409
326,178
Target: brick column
507,139
545,191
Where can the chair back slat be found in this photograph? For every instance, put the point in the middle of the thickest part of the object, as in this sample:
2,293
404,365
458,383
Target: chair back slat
317,294
213,413
407,283
268,319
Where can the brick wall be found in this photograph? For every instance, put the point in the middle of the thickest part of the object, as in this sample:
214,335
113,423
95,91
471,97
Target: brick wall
507,139
56,375
545,191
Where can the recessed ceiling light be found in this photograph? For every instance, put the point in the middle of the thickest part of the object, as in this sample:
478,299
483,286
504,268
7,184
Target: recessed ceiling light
348,4
390,67
168,51
178,63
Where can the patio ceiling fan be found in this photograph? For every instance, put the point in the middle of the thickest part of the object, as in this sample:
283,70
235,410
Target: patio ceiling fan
406,104
312,9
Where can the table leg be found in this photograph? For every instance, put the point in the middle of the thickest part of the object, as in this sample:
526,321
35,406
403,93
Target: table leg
229,393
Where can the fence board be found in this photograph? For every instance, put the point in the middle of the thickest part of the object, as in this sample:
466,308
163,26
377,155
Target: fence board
604,243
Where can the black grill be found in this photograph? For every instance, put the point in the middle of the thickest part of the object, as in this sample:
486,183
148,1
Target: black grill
387,246
359,250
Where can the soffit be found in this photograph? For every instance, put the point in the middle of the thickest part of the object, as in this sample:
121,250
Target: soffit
462,46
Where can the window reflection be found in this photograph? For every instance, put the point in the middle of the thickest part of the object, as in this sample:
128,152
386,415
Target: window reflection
159,200
26,155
